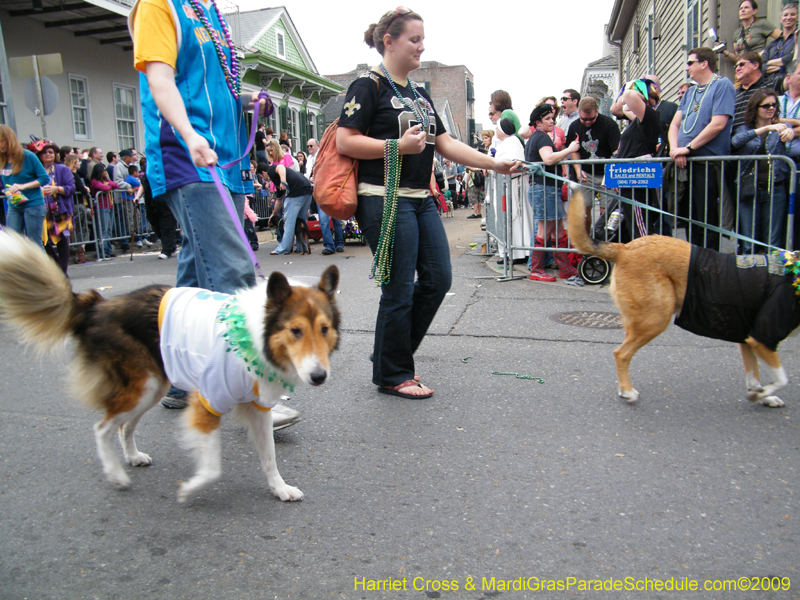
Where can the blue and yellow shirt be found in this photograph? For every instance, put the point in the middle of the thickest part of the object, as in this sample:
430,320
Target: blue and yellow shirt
169,31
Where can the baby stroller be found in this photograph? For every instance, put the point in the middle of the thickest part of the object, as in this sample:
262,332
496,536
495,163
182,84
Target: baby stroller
351,231
615,226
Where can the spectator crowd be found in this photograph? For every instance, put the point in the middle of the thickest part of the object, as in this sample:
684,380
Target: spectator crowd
756,115
52,191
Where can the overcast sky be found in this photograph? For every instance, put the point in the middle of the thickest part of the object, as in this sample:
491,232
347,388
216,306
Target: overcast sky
521,47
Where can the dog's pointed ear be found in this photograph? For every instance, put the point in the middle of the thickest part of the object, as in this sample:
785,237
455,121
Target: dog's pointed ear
329,282
278,288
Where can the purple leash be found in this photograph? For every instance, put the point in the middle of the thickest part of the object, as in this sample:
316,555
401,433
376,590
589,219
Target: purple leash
268,110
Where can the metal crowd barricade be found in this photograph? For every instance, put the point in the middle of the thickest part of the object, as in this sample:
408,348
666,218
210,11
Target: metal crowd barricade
261,204
84,222
118,218
736,223
505,215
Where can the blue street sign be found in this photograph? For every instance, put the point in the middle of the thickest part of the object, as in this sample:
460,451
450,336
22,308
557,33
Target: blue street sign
634,175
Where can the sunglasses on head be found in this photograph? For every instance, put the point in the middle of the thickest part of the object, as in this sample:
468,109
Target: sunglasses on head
399,11
565,98
768,106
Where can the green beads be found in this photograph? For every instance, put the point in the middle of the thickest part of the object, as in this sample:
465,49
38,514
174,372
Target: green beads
382,261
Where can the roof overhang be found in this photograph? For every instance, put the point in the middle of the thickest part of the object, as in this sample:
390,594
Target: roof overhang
622,14
103,20
290,77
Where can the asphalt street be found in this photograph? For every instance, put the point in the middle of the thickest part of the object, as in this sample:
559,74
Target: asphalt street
490,488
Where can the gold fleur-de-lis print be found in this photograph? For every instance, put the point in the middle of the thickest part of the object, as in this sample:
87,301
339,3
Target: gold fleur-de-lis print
351,107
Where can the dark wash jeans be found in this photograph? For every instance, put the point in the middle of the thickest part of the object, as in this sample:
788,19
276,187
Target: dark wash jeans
407,306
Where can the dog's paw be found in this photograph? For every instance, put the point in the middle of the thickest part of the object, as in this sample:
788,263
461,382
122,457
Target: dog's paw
772,402
754,395
140,460
630,395
185,493
287,493
120,480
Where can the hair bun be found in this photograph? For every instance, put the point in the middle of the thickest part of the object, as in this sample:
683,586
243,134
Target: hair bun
369,35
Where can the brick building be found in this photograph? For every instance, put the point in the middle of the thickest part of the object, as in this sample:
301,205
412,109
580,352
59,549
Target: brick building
451,88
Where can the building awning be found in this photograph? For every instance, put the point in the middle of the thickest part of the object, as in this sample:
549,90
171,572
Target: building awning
103,20
271,70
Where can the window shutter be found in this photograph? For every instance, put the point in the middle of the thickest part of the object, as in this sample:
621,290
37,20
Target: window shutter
285,120
303,129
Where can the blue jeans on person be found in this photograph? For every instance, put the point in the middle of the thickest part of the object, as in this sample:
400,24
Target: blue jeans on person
106,218
764,222
407,307
334,240
294,207
546,204
28,220
213,255
261,156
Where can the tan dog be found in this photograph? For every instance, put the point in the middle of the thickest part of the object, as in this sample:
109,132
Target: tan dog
649,285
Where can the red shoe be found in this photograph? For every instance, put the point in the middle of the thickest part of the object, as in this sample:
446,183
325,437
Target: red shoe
540,275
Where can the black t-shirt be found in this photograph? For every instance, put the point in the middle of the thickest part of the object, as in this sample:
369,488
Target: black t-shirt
298,184
536,142
641,137
372,106
261,140
603,132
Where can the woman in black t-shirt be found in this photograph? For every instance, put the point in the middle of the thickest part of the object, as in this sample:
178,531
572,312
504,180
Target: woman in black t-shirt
545,198
297,191
385,115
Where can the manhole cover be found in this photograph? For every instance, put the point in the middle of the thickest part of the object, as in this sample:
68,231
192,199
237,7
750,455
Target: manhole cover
595,320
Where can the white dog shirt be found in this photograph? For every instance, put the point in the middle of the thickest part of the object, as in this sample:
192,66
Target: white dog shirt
196,354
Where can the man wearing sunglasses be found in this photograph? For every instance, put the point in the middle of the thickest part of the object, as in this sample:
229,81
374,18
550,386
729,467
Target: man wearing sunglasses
569,109
599,138
748,72
702,127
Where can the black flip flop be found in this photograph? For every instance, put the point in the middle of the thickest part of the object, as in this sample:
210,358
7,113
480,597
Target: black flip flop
394,391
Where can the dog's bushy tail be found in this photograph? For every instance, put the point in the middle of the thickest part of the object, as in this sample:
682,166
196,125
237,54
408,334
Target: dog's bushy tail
580,237
35,295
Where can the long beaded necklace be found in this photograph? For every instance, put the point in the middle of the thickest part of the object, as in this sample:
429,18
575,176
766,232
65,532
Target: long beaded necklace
783,43
232,73
419,106
698,104
382,262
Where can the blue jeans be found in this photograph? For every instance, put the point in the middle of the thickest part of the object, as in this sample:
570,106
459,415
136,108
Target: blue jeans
27,220
331,241
213,255
294,207
407,307
106,218
763,222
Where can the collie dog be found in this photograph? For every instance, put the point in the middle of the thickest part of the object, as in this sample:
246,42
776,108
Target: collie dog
748,300
236,353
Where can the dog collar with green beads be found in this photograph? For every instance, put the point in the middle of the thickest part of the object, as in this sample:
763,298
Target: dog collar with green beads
790,263
240,341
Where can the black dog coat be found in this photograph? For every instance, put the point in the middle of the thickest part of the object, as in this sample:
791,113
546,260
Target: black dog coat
732,298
